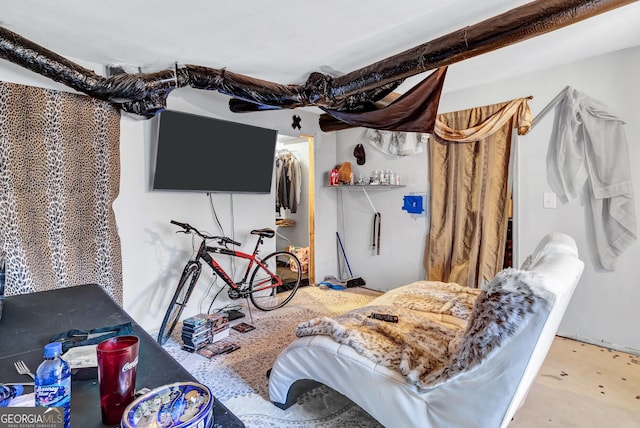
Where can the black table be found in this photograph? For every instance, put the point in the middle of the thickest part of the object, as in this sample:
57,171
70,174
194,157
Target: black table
29,320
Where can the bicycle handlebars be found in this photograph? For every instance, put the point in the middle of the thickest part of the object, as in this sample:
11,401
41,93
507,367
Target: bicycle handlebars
182,225
222,240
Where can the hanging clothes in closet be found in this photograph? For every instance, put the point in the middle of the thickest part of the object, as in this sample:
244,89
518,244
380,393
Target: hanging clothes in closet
288,181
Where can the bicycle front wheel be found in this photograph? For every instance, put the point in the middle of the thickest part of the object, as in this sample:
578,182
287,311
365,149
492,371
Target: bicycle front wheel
273,288
179,301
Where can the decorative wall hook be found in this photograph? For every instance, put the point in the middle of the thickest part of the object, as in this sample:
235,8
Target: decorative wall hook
296,122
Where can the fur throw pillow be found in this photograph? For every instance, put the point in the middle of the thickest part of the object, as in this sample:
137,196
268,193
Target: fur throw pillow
500,312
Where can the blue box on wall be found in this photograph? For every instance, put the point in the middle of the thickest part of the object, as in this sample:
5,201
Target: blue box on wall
413,204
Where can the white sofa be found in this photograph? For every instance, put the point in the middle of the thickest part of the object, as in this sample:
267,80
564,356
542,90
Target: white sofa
486,395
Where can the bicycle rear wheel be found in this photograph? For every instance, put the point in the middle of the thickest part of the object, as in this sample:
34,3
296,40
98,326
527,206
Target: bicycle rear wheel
269,289
179,301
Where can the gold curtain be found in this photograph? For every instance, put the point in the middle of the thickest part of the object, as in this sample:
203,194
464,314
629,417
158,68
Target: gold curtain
59,175
469,167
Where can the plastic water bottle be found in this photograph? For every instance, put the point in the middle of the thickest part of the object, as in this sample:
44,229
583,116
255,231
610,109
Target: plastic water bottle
8,393
53,381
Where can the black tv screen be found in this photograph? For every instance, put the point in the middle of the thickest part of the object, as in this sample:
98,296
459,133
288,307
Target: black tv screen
198,153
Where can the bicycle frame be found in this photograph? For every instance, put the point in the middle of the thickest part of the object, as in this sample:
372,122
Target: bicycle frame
205,251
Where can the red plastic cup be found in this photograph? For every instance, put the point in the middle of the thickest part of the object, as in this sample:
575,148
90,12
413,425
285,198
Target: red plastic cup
117,361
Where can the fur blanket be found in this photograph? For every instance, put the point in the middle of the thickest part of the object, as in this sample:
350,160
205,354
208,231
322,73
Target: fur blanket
446,300
428,351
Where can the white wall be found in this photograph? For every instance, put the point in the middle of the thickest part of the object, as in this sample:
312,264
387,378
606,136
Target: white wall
402,236
604,307
325,206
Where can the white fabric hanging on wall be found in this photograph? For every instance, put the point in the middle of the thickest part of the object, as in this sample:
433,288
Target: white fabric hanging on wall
588,144
395,143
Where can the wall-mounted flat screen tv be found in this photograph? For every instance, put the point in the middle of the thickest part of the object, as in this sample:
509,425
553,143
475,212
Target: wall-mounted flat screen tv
198,153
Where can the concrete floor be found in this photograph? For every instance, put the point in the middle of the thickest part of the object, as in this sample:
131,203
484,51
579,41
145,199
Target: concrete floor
582,385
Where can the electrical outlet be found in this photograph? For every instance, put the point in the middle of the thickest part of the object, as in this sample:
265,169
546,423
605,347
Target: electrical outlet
549,200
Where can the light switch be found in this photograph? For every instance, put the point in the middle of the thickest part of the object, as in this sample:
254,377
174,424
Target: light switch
549,200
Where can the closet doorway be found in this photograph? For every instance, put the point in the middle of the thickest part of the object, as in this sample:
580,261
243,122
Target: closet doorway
294,200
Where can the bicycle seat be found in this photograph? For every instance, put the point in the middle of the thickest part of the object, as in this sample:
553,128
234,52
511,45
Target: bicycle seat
266,232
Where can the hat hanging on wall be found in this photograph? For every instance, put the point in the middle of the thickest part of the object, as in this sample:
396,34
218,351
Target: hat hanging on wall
358,152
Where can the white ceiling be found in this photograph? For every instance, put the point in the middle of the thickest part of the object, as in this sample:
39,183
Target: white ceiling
284,40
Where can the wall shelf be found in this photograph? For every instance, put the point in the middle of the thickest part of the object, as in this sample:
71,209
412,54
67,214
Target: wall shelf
364,190
368,186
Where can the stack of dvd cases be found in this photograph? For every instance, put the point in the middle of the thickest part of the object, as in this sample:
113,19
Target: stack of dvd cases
202,329
196,332
219,326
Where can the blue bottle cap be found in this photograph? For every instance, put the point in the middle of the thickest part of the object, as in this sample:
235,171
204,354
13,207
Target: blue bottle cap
52,350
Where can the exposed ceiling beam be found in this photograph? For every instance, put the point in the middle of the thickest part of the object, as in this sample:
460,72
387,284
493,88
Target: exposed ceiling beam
530,20
519,24
146,93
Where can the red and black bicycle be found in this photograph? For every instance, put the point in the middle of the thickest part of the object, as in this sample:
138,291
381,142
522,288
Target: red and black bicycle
260,282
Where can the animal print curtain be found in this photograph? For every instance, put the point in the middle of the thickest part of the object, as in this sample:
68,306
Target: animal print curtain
59,174
469,169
